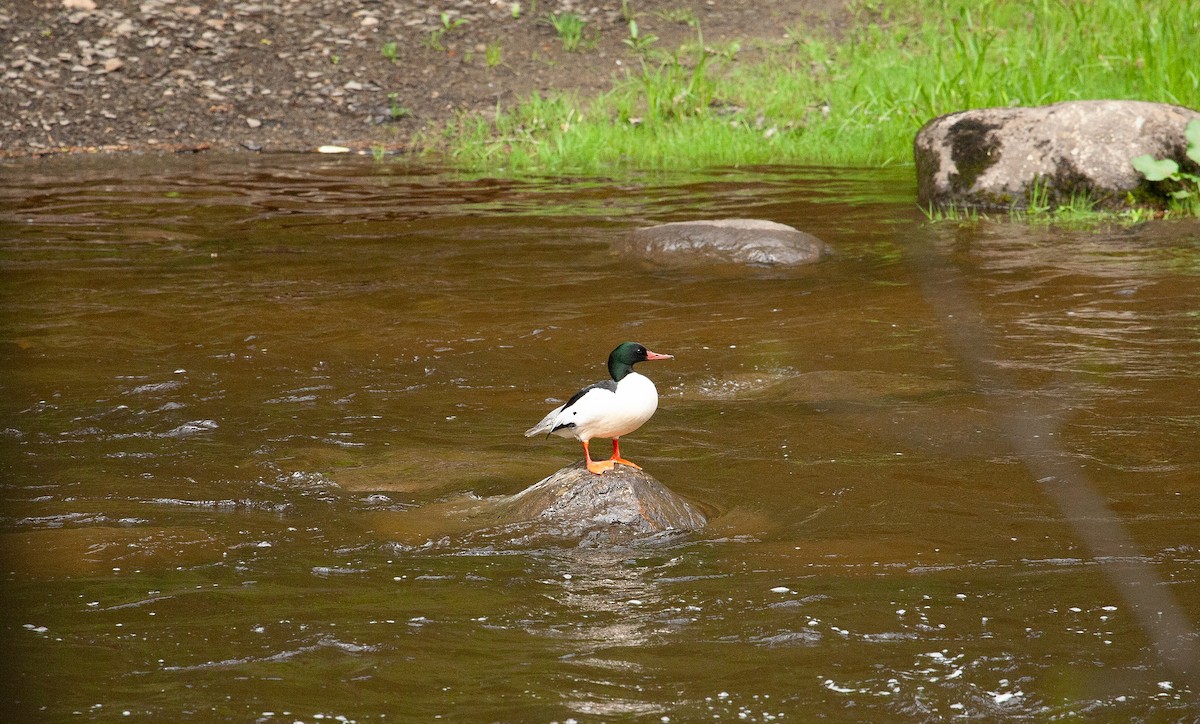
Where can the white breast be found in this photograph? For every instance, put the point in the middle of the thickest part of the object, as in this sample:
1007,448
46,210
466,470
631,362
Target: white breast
635,401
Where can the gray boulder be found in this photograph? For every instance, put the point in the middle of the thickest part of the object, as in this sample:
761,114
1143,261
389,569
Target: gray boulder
618,506
995,157
725,241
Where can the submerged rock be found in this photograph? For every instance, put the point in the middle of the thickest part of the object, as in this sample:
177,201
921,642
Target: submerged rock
622,504
1001,157
571,506
726,241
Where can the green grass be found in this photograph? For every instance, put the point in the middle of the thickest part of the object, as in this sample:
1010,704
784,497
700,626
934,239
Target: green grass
494,55
1075,211
569,27
857,100
1079,211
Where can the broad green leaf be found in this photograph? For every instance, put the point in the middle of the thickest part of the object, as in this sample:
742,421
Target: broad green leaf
1154,169
1193,138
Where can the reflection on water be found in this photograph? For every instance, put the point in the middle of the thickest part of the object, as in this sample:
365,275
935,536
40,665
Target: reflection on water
226,383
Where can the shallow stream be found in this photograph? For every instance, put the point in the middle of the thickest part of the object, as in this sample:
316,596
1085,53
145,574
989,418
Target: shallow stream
952,468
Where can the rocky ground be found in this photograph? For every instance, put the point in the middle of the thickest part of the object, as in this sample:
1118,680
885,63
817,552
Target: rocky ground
287,75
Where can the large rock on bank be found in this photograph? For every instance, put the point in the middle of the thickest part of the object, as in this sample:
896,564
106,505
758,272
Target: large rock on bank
752,242
622,504
995,157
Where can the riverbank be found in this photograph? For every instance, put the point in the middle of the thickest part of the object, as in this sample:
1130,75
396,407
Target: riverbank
566,87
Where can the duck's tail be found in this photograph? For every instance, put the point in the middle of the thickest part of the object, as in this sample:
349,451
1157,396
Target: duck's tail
538,429
546,425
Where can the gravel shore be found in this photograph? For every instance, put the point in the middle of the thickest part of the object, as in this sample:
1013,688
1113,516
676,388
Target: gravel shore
293,75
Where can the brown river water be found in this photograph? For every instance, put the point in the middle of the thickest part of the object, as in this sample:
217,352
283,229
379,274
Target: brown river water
953,470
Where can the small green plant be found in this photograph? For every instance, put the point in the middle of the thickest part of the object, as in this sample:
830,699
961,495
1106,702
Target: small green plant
434,41
640,43
953,213
378,152
516,11
1037,198
395,110
627,12
684,16
679,87
1137,215
389,50
335,59
569,27
1078,209
493,54
1167,169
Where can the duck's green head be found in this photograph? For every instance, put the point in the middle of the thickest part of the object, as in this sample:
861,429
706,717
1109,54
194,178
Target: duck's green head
626,355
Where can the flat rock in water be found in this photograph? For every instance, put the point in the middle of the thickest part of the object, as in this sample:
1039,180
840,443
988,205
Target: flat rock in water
1001,157
622,504
754,242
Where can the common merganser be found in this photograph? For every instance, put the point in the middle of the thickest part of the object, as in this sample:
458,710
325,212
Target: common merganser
611,408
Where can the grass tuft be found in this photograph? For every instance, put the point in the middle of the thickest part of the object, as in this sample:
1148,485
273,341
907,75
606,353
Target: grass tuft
569,27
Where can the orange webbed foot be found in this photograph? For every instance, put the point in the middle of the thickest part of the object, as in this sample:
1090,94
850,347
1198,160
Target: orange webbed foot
599,467
616,456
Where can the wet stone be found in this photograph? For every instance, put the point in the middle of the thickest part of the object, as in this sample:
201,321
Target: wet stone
617,506
751,242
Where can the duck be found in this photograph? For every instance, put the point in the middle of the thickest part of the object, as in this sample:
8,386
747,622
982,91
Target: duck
607,409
